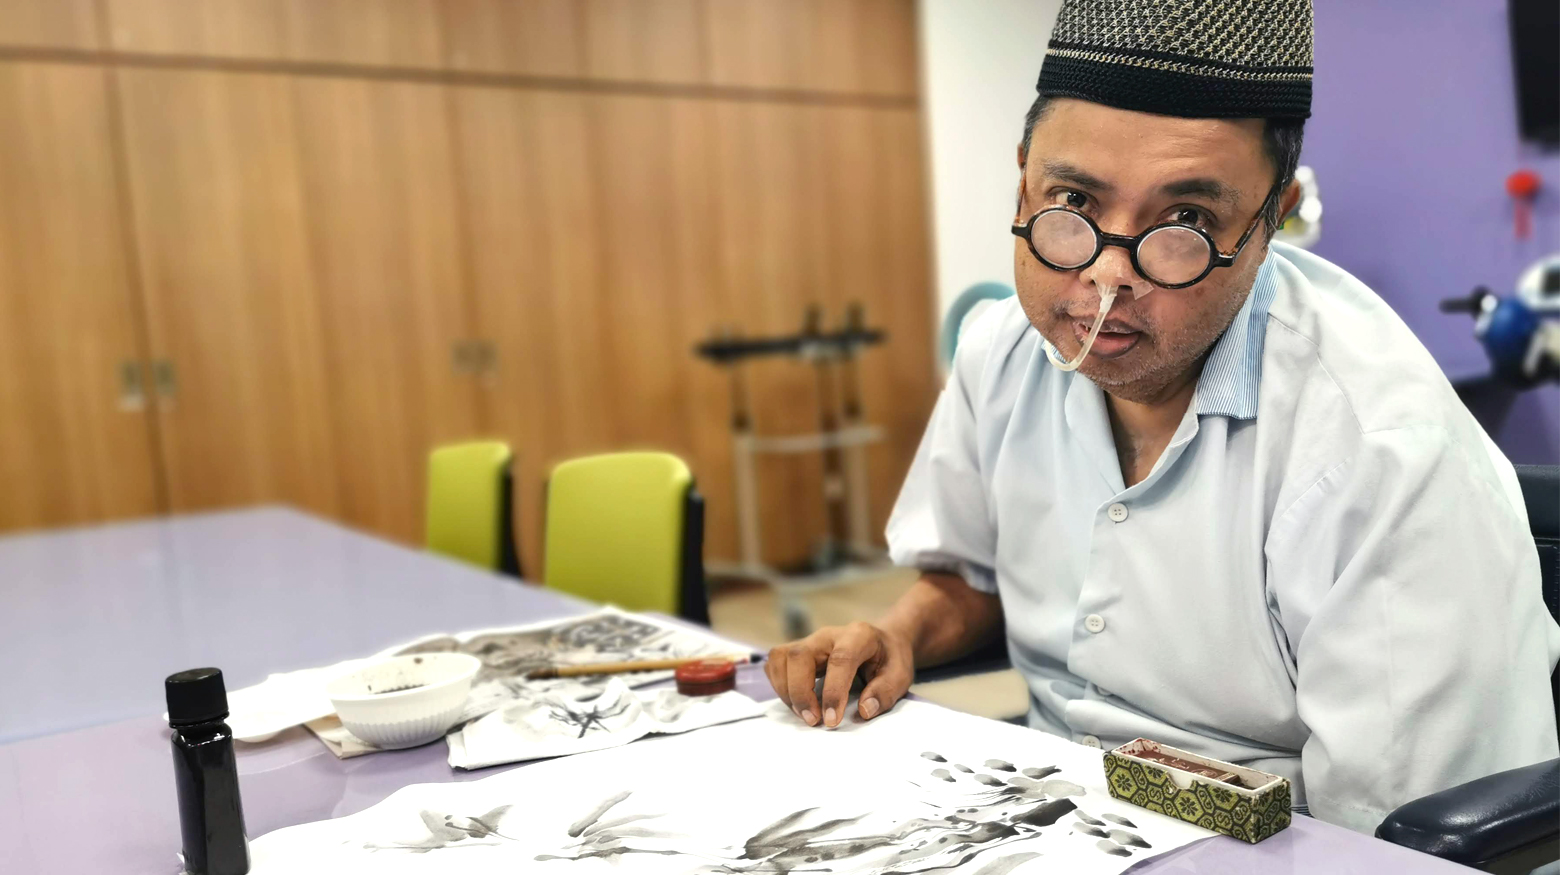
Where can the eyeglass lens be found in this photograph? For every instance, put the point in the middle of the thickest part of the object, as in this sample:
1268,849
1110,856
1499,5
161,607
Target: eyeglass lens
1168,256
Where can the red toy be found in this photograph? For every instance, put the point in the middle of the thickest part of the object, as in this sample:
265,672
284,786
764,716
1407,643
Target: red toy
1523,186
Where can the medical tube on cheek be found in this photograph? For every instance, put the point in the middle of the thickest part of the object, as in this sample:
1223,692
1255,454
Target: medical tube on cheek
1106,300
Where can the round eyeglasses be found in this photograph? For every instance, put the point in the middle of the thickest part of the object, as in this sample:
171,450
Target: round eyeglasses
1170,255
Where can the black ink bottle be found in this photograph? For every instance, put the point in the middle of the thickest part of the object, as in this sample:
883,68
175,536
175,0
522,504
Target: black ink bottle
205,769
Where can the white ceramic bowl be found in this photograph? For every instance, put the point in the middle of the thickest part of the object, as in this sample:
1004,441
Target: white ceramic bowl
404,701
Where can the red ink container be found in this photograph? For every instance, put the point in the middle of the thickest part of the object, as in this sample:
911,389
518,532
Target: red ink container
707,677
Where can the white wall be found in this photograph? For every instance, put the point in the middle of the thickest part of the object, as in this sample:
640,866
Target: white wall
980,60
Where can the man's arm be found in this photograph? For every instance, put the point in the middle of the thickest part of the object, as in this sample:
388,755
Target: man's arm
1408,588
938,619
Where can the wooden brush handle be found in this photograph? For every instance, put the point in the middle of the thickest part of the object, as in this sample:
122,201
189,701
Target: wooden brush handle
570,671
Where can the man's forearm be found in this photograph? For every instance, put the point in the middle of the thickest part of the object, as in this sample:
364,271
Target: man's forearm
943,618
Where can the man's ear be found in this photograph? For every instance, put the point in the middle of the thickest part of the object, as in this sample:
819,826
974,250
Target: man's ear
1288,200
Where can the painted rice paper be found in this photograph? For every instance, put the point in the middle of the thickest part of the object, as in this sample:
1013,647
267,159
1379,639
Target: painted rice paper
508,654
919,790
610,635
585,718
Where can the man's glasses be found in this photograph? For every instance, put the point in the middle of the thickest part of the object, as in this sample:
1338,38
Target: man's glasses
1171,255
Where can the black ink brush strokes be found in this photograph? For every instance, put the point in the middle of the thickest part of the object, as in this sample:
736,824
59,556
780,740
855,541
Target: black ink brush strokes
446,830
965,828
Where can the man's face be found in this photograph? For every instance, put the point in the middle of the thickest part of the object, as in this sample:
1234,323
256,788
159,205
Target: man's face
1129,171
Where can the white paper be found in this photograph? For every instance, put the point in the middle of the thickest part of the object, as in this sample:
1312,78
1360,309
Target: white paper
918,790
563,722
295,698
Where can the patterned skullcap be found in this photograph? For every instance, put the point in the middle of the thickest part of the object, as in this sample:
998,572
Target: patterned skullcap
1189,58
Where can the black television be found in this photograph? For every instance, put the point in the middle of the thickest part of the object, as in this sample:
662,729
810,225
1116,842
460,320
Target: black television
1535,55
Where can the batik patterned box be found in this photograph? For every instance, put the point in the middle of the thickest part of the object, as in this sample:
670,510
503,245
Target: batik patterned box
1239,802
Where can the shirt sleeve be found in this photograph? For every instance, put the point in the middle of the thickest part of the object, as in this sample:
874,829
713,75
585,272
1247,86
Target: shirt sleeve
942,520
1408,588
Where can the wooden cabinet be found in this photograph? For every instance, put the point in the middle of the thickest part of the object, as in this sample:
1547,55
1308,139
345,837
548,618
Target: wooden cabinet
373,33
233,307
296,221
75,444
210,28
385,237
376,33
534,225
645,41
52,23
848,46
524,37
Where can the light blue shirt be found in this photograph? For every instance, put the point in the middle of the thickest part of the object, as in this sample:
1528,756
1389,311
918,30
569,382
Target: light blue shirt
1327,574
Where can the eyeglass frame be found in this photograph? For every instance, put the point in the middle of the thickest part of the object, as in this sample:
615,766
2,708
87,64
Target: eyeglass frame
1216,257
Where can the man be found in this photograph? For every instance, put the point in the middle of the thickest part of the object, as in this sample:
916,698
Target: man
1255,522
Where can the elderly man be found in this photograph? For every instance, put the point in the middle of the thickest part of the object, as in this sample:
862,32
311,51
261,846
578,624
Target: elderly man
1213,488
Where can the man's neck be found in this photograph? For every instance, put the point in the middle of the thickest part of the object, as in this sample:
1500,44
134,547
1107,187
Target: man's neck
1143,429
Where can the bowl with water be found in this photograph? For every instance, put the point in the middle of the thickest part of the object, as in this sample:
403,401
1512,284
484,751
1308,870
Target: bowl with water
404,701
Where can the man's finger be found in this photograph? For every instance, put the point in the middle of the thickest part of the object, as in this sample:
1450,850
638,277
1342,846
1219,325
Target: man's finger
856,645
774,669
801,677
886,687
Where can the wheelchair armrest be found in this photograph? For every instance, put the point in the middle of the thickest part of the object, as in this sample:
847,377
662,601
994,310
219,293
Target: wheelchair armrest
991,657
1482,819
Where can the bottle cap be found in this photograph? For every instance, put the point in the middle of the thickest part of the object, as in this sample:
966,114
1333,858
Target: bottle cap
196,696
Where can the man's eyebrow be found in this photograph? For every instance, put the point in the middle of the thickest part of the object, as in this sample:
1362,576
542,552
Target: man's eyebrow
1203,187
1076,176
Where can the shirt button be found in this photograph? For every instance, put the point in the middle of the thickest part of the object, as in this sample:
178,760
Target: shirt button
1094,623
1091,741
1104,693
1117,512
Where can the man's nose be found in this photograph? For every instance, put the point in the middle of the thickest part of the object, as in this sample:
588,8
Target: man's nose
1113,271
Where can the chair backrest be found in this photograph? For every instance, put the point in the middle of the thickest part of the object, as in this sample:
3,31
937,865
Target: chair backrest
960,310
1541,495
470,500
627,529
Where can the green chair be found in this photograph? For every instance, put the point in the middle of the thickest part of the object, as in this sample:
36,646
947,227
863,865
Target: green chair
470,501
628,529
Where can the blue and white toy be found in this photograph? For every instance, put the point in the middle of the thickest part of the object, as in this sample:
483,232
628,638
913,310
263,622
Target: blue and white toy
1521,334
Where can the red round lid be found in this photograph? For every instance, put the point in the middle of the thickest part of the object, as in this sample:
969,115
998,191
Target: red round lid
706,671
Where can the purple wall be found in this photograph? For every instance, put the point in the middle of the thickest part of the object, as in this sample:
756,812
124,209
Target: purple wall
1413,134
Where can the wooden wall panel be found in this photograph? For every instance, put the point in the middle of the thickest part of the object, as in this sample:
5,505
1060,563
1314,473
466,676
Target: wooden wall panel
375,33
525,37
384,227
849,46
52,23
213,28
645,40
68,452
875,197
772,242
378,33
815,211
229,288
527,181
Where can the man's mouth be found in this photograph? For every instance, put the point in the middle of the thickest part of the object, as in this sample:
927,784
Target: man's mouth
1115,338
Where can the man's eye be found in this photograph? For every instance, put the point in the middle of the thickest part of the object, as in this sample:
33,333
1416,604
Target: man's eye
1076,199
1191,216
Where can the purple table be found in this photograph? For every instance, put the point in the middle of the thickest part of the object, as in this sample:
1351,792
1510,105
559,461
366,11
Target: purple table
272,590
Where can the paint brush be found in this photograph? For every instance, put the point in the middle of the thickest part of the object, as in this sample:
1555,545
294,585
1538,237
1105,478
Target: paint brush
569,671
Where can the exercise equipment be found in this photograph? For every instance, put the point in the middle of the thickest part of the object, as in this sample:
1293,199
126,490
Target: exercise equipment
847,549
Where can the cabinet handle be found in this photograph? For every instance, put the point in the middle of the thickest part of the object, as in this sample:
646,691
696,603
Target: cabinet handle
475,357
132,386
463,357
167,380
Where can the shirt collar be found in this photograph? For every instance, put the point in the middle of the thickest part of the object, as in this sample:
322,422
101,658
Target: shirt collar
1230,377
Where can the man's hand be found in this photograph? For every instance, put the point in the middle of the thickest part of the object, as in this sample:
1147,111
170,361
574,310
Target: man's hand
885,660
